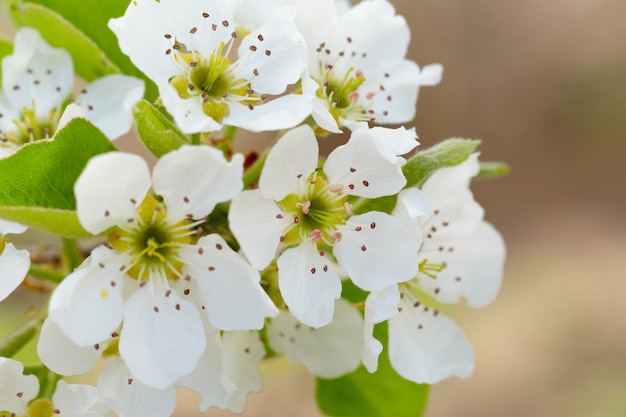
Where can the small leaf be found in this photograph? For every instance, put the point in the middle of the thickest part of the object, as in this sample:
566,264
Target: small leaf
89,61
159,134
450,152
493,170
37,187
6,48
381,394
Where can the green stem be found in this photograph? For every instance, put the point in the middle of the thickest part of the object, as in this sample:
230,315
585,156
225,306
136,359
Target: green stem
71,255
229,134
18,338
45,274
196,139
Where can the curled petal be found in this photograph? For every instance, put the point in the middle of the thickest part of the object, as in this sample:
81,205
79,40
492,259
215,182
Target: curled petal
14,265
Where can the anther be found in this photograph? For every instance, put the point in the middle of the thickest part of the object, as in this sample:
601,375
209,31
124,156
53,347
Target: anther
268,52
260,37
372,225
366,183
225,23
252,48
205,15
193,30
363,248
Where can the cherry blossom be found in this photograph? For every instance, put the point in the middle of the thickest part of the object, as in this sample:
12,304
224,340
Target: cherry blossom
460,257
302,214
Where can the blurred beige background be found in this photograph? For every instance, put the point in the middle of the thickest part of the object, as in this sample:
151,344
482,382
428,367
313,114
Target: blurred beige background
543,83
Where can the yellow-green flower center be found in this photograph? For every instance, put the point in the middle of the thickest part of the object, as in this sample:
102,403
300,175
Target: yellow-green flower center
30,128
212,80
316,212
152,242
341,91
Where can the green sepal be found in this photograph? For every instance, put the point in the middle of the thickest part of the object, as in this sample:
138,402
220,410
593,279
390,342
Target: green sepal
158,133
493,170
37,187
13,342
448,153
381,394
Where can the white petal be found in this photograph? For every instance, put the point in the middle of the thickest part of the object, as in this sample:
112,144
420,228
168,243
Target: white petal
289,163
474,266
163,337
242,353
308,285
128,397
363,170
323,117
430,75
193,179
71,112
328,352
279,59
94,304
257,223
36,71
229,287
379,306
375,29
206,378
7,227
109,188
140,33
376,250
426,347
391,143
400,81
14,265
280,113
411,204
13,382
77,400
63,356
108,103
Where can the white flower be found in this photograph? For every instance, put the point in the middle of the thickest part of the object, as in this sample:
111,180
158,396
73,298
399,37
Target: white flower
14,263
186,49
303,213
328,352
357,58
69,400
460,257
37,79
158,279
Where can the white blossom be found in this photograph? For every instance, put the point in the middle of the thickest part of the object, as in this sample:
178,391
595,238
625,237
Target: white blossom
301,214
37,81
460,257
209,77
157,282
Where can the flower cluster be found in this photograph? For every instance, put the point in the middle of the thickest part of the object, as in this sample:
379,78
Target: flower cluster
209,260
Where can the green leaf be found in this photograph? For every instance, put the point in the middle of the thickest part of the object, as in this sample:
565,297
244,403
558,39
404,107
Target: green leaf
381,394
89,18
6,48
493,170
450,152
159,134
37,187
